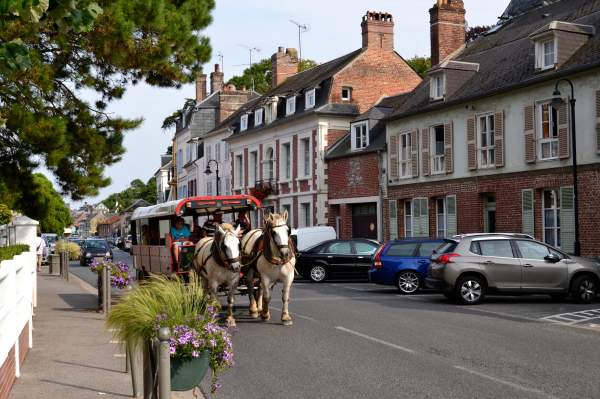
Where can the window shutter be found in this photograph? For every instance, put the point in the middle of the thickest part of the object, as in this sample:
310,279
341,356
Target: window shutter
563,132
425,151
499,139
471,144
598,122
567,219
394,162
414,152
451,228
420,217
209,152
393,205
529,128
528,213
424,221
448,148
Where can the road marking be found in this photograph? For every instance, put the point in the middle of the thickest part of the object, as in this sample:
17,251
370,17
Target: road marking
574,317
379,341
294,314
119,355
503,314
508,383
116,342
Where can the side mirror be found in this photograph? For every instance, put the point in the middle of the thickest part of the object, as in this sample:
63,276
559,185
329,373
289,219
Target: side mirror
552,258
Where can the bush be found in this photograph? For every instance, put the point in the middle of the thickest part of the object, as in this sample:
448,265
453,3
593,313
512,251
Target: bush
68,246
7,253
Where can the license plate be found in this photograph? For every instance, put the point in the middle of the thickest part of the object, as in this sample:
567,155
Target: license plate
98,260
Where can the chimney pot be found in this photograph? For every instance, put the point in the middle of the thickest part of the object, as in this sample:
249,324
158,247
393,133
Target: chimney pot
448,29
284,64
216,79
378,31
200,88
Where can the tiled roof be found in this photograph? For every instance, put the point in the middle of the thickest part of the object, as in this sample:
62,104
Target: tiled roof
506,57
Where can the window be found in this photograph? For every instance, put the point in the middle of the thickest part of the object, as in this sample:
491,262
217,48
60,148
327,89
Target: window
405,155
346,93
209,190
290,106
340,248
239,171
546,54
548,132
310,98
532,250
258,117
287,161
360,136
305,216
305,156
288,208
440,205
426,249
269,165
437,87
179,160
402,250
218,152
200,150
486,141
364,248
244,123
496,248
271,112
408,222
208,152
437,153
253,169
226,151
551,217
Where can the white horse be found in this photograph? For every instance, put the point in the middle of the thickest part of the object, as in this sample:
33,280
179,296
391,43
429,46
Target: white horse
217,261
276,262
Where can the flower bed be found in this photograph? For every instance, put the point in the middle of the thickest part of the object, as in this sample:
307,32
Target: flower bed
8,253
119,272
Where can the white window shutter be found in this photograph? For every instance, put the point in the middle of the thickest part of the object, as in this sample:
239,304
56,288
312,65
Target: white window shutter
451,228
564,150
567,219
499,139
420,217
528,212
393,206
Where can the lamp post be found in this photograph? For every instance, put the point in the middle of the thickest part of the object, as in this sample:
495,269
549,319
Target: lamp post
208,172
556,102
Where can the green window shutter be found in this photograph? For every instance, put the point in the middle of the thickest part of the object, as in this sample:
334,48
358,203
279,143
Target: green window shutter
528,212
393,205
451,215
567,219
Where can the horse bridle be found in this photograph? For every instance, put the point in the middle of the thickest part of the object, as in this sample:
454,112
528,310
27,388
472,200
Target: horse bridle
219,249
270,232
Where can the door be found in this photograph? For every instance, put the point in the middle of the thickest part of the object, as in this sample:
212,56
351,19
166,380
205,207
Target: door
500,265
539,274
364,221
364,251
340,258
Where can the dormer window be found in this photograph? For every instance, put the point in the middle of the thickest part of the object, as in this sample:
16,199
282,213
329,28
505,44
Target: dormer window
546,54
346,93
437,87
244,123
360,136
556,42
271,112
258,117
309,98
290,106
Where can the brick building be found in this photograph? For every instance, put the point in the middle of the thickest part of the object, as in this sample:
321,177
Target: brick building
481,146
278,141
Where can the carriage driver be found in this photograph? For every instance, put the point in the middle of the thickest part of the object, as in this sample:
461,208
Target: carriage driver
243,222
210,226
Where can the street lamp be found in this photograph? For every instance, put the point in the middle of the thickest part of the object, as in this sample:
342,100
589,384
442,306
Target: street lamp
208,172
557,101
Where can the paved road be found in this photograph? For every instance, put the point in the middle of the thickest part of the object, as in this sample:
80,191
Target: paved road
364,341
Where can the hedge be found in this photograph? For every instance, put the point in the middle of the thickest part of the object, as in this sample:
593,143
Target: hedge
7,253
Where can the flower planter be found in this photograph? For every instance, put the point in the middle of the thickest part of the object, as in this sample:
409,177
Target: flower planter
186,374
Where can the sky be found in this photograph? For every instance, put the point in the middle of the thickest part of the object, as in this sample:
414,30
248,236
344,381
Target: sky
334,30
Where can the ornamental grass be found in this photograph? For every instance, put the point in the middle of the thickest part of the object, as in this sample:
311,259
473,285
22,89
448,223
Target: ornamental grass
68,246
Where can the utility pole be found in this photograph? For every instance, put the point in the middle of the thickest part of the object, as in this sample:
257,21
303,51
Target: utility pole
302,28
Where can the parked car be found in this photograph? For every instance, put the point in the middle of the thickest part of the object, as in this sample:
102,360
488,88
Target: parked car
337,258
94,249
127,244
50,239
307,237
403,263
468,267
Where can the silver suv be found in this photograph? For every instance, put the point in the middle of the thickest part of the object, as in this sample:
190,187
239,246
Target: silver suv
467,267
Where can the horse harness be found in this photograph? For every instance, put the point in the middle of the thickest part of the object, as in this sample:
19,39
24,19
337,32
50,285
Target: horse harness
267,253
216,251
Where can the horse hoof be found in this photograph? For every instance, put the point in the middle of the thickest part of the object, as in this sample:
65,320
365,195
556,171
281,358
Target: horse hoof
231,323
254,315
287,322
265,316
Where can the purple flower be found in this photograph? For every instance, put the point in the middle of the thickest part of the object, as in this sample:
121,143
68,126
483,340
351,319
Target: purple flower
195,354
215,387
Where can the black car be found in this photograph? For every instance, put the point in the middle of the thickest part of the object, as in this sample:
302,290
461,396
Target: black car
94,249
337,259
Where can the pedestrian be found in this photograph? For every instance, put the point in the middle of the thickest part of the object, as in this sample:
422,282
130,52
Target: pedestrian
40,248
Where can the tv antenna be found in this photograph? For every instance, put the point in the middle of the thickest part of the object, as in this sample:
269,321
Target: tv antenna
302,28
251,50
220,57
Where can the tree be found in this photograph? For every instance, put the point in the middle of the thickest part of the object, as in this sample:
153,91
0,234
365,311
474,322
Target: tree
46,205
136,190
420,64
52,50
260,75
5,214
476,31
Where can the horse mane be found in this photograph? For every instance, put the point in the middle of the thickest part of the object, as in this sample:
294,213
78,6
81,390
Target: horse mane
227,227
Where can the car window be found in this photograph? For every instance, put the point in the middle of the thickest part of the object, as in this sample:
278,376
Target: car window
364,248
446,247
426,249
532,250
96,244
405,250
341,248
496,248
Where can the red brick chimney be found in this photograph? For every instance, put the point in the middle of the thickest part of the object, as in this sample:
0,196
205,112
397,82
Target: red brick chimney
378,31
200,88
216,79
447,29
285,64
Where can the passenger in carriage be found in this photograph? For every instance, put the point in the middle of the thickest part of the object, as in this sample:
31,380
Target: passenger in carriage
197,234
180,234
243,222
210,226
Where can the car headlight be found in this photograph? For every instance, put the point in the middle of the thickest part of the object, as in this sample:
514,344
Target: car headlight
88,255
108,254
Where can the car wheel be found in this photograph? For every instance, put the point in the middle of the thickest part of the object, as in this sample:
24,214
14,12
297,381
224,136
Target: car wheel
584,289
318,274
408,282
470,290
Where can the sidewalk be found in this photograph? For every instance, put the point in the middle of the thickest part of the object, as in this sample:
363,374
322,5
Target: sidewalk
72,354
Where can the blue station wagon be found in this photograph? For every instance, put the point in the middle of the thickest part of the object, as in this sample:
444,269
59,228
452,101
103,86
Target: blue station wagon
403,263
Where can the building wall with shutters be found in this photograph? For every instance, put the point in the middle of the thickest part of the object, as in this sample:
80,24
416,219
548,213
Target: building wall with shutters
509,190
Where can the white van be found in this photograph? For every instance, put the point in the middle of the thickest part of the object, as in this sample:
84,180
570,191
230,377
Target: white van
307,237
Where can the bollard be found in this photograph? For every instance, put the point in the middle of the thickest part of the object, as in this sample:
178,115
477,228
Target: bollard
149,368
104,296
133,356
164,364
55,262
67,265
100,297
108,292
